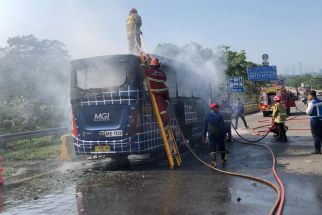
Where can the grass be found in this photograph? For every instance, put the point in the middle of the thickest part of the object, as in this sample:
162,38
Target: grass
34,149
16,153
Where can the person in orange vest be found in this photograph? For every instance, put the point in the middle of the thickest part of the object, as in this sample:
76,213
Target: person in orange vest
157,79
133,25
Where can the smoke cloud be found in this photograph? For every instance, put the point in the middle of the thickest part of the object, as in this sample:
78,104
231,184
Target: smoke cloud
201,71
39,75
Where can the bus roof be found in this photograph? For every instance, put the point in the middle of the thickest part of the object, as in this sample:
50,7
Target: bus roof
85,62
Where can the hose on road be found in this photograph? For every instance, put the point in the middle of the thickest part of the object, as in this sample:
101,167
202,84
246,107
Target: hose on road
260,180
280,191
274,172
254,142
263,181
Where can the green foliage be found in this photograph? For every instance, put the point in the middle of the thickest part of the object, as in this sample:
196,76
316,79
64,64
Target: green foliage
19,114
34,149
237,66
33,84
296,80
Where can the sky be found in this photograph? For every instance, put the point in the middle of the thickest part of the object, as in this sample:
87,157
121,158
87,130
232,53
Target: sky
289,31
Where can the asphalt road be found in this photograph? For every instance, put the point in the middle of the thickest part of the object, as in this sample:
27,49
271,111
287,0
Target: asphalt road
192,189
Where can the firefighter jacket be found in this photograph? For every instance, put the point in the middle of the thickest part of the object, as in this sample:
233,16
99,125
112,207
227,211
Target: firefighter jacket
133,23
157,79
215,126
279,113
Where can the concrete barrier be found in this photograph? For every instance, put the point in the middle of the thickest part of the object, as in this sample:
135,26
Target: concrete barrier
67,150
251,108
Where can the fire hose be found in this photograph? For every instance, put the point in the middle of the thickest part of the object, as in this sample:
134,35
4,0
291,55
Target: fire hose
135,40
279,200
254,143
280,195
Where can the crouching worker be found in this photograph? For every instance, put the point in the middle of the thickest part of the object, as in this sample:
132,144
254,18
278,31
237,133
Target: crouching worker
215,127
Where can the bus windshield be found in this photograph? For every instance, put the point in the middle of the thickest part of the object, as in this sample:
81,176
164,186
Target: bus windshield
102,75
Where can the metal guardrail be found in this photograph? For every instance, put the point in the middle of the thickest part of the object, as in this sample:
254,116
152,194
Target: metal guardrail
32,134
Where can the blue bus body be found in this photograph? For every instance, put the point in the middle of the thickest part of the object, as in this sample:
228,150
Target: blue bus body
112,114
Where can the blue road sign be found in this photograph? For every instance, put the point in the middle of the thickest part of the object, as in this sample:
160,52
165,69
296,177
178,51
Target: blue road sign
262,73
236,84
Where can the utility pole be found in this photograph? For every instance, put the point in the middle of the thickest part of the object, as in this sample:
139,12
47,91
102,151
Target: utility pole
210,94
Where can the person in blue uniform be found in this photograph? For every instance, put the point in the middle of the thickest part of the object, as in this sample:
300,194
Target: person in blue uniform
314,110
215,127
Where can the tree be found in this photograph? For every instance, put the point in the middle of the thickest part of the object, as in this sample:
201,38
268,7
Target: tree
34,79
313,80
31,67
237,66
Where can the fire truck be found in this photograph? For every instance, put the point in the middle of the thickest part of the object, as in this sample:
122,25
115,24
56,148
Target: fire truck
267,95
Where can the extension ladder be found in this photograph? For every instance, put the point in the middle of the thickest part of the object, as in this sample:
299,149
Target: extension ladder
166,132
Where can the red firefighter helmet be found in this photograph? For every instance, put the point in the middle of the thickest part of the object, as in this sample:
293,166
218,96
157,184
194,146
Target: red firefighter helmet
277,98
214,105
133,10
155,62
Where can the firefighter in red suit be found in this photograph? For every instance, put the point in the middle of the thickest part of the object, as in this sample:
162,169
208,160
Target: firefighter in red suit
157,79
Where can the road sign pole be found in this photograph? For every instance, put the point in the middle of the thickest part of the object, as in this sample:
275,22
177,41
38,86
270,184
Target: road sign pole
228,91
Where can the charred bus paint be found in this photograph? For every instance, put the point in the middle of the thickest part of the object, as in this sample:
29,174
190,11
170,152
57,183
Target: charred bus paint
112,114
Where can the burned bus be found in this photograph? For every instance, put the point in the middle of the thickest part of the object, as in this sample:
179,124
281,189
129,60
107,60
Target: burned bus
112,112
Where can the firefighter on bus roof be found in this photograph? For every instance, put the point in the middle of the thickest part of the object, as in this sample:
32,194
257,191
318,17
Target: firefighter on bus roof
157,79
215,127
133,25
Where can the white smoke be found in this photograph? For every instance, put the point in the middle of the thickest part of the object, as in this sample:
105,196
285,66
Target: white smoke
201,70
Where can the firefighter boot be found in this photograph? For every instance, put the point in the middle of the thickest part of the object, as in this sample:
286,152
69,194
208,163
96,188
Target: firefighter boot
284,137
213,158
223,157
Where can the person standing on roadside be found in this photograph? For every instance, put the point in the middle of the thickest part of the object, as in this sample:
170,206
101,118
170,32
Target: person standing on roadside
239,112
279,118
314,110
215,127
